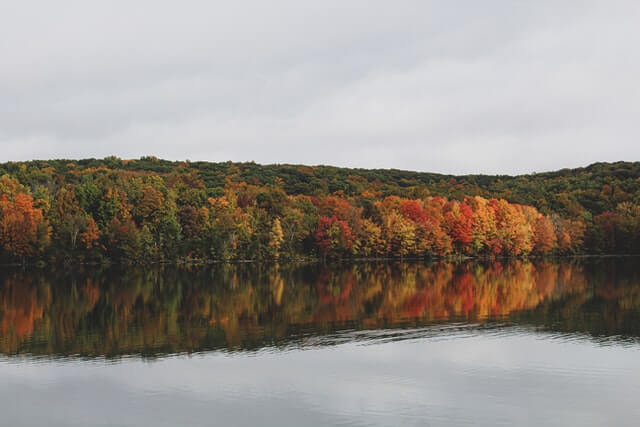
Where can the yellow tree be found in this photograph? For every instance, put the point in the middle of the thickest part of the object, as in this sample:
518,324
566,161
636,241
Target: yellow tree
276,237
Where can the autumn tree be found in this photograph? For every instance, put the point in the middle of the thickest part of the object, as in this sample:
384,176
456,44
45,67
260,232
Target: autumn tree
91,235
399,233
544,235
276,237
23,230
458,220
333,237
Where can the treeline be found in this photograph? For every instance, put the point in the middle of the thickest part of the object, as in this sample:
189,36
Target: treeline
153,210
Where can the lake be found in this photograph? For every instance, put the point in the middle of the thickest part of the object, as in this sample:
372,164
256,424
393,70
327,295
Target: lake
382,344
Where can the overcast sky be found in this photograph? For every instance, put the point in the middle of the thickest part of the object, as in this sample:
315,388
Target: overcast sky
447,86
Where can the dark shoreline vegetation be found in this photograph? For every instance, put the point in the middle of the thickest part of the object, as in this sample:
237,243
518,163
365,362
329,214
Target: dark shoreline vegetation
157,211
191,264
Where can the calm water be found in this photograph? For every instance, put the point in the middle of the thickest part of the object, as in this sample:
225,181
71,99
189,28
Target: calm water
512,343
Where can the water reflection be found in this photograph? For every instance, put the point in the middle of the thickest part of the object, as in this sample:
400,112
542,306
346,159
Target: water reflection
154,312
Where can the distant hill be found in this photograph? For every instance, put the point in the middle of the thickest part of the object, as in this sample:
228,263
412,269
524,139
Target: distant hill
589,190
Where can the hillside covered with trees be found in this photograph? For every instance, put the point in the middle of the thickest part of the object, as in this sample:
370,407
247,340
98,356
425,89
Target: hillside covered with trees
156,210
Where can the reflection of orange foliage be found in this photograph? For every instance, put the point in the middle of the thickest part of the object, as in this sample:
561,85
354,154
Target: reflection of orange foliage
464,288
19,308
439,292
91,291
334,296
146,310
495,291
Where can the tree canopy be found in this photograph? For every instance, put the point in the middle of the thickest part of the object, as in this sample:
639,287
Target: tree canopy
157,210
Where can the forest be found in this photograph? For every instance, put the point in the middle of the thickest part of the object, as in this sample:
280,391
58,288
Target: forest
152,210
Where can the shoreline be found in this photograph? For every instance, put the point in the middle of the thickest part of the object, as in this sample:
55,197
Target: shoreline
310,260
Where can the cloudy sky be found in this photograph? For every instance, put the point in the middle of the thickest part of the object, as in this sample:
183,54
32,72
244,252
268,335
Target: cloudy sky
449,86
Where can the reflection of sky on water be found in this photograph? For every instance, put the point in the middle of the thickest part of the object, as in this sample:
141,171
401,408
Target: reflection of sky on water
484,379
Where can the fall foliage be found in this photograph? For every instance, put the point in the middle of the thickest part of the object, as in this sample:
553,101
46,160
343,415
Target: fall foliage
152,210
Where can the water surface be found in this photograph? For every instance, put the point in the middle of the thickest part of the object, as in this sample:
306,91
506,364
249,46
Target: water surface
501,343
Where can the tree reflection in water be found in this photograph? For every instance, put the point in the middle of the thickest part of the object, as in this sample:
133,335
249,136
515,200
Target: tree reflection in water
153,312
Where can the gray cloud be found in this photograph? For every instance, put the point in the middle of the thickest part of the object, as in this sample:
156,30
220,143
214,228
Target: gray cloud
491,86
